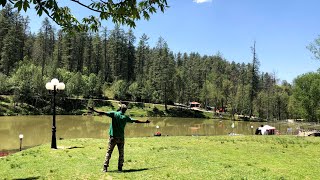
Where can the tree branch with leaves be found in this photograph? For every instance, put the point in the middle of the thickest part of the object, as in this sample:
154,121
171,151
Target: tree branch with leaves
125,12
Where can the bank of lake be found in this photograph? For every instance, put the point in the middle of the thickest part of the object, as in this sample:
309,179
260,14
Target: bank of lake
78,106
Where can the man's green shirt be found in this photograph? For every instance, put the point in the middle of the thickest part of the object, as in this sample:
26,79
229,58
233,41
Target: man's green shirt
119,121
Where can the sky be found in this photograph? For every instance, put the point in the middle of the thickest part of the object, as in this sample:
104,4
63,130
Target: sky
281,28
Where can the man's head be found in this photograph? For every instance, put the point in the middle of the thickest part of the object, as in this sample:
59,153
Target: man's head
123,108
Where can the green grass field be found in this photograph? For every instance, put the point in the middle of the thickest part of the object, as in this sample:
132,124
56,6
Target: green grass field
193,157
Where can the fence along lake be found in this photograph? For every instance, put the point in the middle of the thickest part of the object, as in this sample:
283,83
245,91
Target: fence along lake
38,129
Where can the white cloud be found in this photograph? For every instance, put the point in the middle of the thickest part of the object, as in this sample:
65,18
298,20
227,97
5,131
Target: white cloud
201,1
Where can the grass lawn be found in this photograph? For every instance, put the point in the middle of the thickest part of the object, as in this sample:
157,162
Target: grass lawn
193,157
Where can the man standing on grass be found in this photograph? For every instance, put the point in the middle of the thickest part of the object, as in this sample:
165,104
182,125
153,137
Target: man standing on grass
116,132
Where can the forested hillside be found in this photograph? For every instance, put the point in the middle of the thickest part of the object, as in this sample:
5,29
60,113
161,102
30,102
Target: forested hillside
115,64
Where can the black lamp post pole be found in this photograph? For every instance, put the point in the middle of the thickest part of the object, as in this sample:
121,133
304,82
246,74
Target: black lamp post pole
20,143
53,140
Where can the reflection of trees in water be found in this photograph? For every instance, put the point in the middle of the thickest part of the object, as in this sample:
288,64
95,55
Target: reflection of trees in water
38,129
34,128
186,121
83,127
184,127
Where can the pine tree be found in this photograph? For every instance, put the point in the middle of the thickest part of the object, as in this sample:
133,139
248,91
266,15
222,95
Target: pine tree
8,54
88,54
162,72
57,53
117,54
254,81
130,56
6,21
47,47
12,34
96,54
179,80
105,60
142,56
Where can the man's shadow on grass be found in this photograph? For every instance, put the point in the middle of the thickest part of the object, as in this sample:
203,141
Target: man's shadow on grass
28,178
133,170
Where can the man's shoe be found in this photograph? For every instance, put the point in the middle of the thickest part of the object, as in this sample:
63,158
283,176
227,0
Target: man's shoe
105,169
120,169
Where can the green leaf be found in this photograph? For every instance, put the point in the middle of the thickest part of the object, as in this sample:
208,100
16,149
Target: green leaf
26,5
152,10
146,15
162,8
121,10
39,12
18,5
3,3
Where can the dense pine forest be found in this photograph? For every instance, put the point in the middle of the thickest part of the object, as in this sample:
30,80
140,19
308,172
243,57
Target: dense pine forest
114,64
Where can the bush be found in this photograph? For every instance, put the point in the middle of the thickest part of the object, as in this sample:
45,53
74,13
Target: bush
156,112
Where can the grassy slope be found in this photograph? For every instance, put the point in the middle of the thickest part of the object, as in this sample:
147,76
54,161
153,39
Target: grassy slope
218,157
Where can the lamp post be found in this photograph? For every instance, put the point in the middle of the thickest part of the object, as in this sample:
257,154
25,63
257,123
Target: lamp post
54,85
20,137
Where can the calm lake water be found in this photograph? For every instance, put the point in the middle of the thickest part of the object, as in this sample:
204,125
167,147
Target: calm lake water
38,129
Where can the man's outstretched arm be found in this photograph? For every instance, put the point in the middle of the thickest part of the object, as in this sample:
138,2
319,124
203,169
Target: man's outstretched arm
99,112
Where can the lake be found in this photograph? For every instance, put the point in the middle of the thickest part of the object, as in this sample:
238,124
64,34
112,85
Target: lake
38,129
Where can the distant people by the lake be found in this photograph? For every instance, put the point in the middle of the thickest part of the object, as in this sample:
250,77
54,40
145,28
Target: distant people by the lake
258,130
116,133
266,130
158,133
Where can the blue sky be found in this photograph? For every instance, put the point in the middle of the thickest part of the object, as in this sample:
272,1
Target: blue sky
281,28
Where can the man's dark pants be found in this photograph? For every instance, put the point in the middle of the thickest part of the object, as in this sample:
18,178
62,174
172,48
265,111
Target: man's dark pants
113,141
